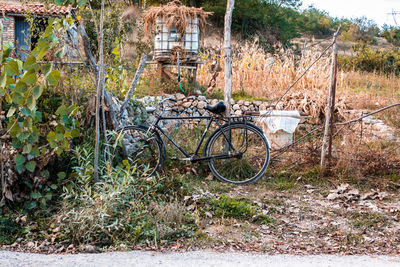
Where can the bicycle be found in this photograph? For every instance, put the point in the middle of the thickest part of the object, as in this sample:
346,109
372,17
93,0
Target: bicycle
237,152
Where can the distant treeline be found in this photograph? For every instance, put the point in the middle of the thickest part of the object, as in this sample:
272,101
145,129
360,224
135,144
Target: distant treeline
284,20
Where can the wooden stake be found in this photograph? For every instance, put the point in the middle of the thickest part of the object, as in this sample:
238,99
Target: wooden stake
128,97
330,109
94,67
99,96
228,56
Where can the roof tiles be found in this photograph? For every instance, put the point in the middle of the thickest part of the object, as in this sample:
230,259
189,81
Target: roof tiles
37,9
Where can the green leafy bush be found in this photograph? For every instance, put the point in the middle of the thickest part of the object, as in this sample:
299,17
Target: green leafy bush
34,135
367,59
122,208
391,34
9,230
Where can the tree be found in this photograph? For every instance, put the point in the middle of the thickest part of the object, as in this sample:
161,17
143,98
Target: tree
228,55
100,94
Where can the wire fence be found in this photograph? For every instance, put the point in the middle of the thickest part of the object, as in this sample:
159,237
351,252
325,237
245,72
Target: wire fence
351,141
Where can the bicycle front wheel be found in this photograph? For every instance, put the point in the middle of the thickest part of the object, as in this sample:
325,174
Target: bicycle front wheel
141,148
242,162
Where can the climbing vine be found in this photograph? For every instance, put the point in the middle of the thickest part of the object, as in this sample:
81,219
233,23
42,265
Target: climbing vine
33,137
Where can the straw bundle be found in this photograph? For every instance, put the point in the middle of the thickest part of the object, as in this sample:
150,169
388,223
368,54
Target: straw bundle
174,14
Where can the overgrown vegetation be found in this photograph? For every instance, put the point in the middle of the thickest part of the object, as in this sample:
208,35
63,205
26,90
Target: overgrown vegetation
47,138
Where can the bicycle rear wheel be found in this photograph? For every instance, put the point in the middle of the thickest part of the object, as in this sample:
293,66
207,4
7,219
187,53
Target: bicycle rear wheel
243,162
141,148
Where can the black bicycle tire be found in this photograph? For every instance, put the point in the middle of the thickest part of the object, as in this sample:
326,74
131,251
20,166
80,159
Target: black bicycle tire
218,132
160,144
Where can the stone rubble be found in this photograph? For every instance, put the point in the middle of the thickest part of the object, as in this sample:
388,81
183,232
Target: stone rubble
372,128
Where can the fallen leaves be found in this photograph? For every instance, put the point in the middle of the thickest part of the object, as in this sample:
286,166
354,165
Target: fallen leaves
345,193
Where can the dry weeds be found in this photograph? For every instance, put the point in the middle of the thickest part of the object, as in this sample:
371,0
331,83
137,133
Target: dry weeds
260,74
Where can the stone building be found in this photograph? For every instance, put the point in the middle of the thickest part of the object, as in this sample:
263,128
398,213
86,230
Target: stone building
13,16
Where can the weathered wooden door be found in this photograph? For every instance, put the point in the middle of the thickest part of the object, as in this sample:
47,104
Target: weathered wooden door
22,37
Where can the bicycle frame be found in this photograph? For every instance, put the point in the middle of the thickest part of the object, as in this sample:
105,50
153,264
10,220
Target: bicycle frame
194,157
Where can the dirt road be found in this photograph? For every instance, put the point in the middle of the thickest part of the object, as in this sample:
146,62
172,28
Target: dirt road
186,259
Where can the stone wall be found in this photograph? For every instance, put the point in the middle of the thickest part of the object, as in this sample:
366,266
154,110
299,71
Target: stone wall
195,105
373,129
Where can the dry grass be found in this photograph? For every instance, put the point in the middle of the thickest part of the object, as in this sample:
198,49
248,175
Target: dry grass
260,74
369,90
263,75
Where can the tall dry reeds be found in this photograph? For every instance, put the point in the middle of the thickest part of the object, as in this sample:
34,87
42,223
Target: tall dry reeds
260,74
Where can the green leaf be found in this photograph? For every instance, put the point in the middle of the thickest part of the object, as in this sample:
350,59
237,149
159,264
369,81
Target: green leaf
28,122
35,152
61,175
68,134
26,112
46,174
21,87
59,136
41,50
35,195
60,53
37,91
30,166
20,168
81,3
60,129
30,64
12,68
30,205
27,149
11,112
19,160
59,2
16,143
31,102
17,99
53,144
51,136
22,136
115,51
48,196
75,133
28,184
7,48
29,77
54,77
46,69
42,203
3,80
8,99
62,110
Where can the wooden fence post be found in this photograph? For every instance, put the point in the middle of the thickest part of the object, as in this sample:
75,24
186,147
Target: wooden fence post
128,96
330,110
228,54
99,94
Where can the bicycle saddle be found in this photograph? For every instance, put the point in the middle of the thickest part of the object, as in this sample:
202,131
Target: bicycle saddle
217,108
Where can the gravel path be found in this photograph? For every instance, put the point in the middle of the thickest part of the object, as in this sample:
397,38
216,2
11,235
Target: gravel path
186,259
